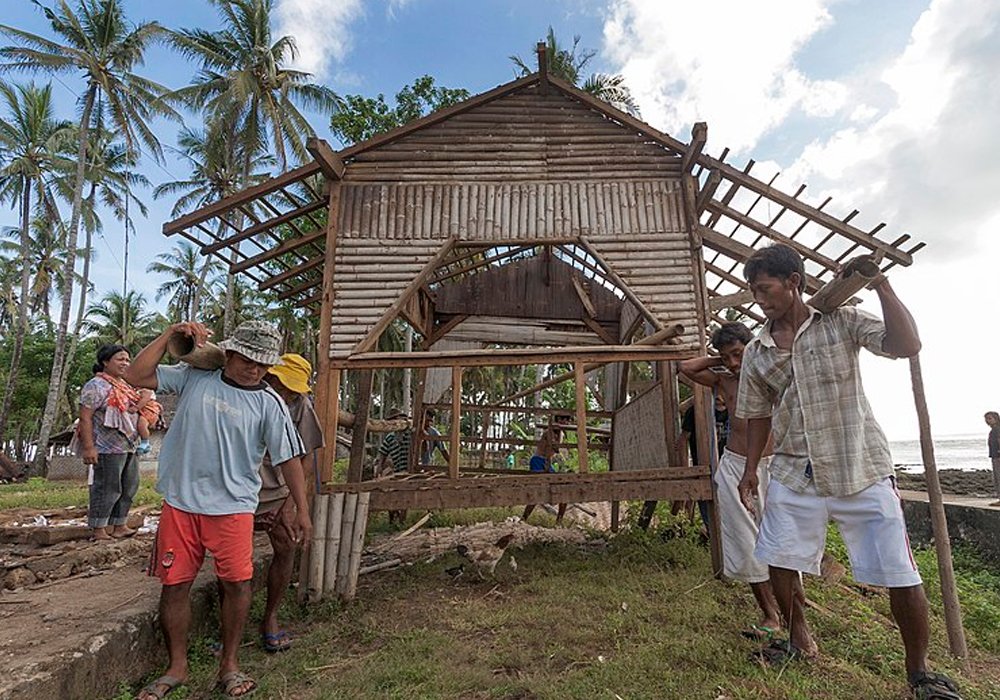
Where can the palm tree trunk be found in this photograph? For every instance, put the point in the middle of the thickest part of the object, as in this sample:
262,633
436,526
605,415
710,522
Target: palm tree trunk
202,276
81,310
22,310
59,354
227,318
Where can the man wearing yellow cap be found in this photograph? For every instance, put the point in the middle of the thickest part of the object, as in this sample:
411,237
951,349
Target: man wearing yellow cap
276,511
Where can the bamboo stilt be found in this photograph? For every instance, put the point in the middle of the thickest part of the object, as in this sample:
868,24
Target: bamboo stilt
357,544
939,522
346,533
317,548
334,517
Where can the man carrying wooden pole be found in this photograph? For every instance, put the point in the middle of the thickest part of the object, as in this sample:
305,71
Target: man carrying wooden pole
801,380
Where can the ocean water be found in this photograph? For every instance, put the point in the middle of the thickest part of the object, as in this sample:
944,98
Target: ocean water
950,452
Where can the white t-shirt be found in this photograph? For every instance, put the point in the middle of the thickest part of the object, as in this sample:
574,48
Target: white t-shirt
210,459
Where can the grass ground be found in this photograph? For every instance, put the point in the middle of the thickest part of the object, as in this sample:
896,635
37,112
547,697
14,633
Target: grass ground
633,618
40,493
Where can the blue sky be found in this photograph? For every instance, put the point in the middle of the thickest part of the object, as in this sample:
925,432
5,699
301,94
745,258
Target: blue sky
890,108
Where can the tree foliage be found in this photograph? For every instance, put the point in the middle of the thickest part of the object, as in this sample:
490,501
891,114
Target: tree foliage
364,117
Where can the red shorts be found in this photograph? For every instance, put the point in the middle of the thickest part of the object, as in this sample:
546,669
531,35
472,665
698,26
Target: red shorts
182,538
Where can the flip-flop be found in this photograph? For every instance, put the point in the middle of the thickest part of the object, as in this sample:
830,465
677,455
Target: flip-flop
932,686
759,633
777,654
274,643
160,688
231,681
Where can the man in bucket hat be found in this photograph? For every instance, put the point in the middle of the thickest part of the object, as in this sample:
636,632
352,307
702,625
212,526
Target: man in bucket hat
209,476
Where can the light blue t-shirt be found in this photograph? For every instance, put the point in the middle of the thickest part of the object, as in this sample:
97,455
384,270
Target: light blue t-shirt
211,455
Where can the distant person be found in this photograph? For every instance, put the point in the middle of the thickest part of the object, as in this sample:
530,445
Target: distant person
993,443
801,379
149,416
394,456
275,513
209,476
107,435
545,459
429,441
739,527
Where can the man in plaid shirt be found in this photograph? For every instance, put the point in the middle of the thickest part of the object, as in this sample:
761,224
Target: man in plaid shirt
800,379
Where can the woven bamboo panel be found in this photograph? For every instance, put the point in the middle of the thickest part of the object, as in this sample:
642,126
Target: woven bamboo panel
639,438
368,280
522,136
492,211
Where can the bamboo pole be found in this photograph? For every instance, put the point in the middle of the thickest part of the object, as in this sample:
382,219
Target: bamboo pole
456,420
346,533
357,544
939,522
317,548
581,417
335,516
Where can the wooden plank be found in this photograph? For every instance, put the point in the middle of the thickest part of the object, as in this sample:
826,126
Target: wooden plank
588,305
231,202
511,356
262,227
360,426
285,247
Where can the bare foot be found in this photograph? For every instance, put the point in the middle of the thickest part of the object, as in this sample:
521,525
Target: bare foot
122,531
100,533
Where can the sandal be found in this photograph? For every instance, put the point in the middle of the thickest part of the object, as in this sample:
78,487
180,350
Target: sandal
776,654
932,686
274,643
160,688
760,633
232,681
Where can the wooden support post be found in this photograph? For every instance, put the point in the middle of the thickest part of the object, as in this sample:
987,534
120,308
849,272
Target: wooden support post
360,426
581,416
703,408
939,522
486,418
417,440
330,417
335,514
456,421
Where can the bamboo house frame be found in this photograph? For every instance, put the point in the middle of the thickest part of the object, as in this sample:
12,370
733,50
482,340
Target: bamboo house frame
538,218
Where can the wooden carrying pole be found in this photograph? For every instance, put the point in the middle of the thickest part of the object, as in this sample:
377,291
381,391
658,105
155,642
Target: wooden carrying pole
857,274
939,523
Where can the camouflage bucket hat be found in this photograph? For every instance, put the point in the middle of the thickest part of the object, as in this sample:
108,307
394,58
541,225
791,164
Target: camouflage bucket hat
256,340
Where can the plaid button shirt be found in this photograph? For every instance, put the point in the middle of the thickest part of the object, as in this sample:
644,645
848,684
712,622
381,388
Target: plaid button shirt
823,427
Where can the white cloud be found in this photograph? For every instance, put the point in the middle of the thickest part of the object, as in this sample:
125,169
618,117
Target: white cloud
321,29
685,63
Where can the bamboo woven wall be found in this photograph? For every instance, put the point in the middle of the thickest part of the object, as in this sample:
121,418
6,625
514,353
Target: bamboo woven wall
525,167
639,433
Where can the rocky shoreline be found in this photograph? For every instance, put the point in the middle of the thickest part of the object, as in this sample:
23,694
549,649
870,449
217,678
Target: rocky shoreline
960,482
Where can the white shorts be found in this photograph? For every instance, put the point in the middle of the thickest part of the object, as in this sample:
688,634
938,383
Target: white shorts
739,529
793,532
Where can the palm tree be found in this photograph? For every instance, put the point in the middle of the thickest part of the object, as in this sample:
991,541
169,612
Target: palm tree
99,43
123,320
181,267
568,65
245,86
216,172
30,136
47,256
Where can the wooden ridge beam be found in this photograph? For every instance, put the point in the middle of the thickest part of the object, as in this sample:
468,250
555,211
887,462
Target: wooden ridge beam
235,200
329,162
